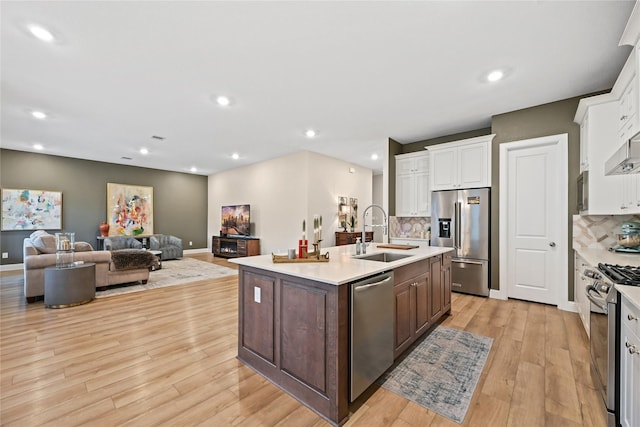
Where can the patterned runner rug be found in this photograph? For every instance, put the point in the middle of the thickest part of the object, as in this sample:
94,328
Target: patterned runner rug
441,372
173,272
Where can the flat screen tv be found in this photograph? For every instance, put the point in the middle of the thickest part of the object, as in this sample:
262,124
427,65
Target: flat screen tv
236,220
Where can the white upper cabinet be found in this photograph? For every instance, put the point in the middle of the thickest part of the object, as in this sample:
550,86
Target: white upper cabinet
413,193
626,90
461,164
597,116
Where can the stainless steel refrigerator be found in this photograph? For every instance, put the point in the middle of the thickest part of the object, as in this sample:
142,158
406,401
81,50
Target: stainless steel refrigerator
460,219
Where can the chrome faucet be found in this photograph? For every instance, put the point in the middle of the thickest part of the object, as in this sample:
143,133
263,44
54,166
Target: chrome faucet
364,224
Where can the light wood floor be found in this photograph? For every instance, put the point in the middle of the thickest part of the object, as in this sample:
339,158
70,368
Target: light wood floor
167,357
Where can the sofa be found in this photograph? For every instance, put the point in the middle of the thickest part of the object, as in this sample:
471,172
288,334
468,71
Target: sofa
39,252
170,246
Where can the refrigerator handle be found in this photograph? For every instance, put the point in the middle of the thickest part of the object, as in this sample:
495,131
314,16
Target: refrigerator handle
457,228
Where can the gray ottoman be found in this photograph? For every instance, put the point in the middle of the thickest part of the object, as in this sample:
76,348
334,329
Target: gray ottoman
69,286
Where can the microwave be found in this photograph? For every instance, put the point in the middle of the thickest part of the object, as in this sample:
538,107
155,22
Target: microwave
583,191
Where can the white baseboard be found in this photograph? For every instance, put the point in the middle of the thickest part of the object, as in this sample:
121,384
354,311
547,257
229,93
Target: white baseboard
497,294
196,251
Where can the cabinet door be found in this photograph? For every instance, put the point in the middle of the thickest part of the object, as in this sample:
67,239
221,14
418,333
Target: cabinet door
405,195
446,281
422,289
423,194
437,291
584,143
403,315
472,166
405,166
303,334
443,168
630,377
258,326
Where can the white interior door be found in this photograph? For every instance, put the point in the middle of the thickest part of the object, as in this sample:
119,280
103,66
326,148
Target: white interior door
533,207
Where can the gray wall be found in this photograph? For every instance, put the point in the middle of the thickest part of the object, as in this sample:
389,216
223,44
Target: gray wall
543,120
548,119
179,205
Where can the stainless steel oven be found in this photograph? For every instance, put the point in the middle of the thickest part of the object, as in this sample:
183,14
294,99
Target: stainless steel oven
604,342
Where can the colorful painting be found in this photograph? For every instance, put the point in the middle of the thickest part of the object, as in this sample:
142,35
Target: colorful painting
129,210
24,209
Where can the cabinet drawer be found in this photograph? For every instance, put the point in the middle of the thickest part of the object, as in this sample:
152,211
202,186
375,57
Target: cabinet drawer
630,316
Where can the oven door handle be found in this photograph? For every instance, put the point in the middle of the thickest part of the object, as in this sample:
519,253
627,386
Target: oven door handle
596,301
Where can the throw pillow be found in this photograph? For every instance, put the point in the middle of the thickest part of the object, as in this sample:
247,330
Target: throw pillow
43,242
82,247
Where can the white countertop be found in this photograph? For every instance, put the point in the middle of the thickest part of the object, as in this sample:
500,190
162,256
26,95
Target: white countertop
631,293
342,266
595,256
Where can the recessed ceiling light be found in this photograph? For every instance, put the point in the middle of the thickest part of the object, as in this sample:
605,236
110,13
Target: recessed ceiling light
41,33
235,156
38,146
193,169
39,115
374,156
223,101
310,133
144,151
495,75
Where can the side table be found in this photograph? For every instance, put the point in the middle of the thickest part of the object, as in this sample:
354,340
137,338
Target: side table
69,286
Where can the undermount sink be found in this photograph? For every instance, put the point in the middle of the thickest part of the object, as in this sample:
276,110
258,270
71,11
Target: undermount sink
382,257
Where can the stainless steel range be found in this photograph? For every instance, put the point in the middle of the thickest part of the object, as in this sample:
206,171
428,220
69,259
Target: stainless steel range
605,330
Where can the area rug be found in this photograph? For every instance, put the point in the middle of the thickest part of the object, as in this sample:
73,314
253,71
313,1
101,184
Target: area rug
441,372
172,273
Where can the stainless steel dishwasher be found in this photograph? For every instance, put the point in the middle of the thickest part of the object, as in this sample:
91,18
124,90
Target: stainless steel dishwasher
371,330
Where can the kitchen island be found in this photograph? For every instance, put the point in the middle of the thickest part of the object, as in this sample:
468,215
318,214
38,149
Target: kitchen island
293,318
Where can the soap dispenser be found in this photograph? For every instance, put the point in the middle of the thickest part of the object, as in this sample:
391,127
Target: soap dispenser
358,246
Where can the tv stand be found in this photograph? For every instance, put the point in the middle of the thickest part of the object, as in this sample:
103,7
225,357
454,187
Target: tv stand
234,247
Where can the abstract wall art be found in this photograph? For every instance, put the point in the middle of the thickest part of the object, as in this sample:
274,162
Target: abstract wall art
129,210
25,209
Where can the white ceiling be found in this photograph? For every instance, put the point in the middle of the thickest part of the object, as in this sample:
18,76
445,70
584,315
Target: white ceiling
357,72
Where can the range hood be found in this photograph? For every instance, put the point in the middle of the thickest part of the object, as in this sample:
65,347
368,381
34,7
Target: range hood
626,159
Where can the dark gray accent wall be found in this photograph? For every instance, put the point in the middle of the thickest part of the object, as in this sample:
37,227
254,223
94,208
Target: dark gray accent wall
179,199
395,148
548,119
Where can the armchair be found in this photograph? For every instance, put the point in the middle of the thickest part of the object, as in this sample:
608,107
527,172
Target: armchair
171,246
121,242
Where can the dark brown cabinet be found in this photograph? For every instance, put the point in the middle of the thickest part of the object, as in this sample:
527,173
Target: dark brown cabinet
446,281
233,247
422,295
349,237
294,331
437,292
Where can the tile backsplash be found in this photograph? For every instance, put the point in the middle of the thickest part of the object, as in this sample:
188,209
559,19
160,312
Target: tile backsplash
598,231
411,227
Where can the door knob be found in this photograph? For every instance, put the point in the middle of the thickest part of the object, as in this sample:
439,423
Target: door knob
552,244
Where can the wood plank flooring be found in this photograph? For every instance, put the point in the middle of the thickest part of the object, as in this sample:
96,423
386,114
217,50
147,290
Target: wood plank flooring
167,357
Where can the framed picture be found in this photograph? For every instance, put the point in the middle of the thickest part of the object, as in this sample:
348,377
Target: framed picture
129,210
25,209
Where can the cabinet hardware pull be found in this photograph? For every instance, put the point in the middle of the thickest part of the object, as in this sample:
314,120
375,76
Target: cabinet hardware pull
633,350
623,118
631,317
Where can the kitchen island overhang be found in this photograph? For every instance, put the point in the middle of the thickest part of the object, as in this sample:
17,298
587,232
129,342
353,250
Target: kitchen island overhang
293,318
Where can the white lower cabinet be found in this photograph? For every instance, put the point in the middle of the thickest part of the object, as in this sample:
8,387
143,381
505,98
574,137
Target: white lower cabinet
630,365
579,284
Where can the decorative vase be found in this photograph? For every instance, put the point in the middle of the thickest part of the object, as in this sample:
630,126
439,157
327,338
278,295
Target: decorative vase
104,229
